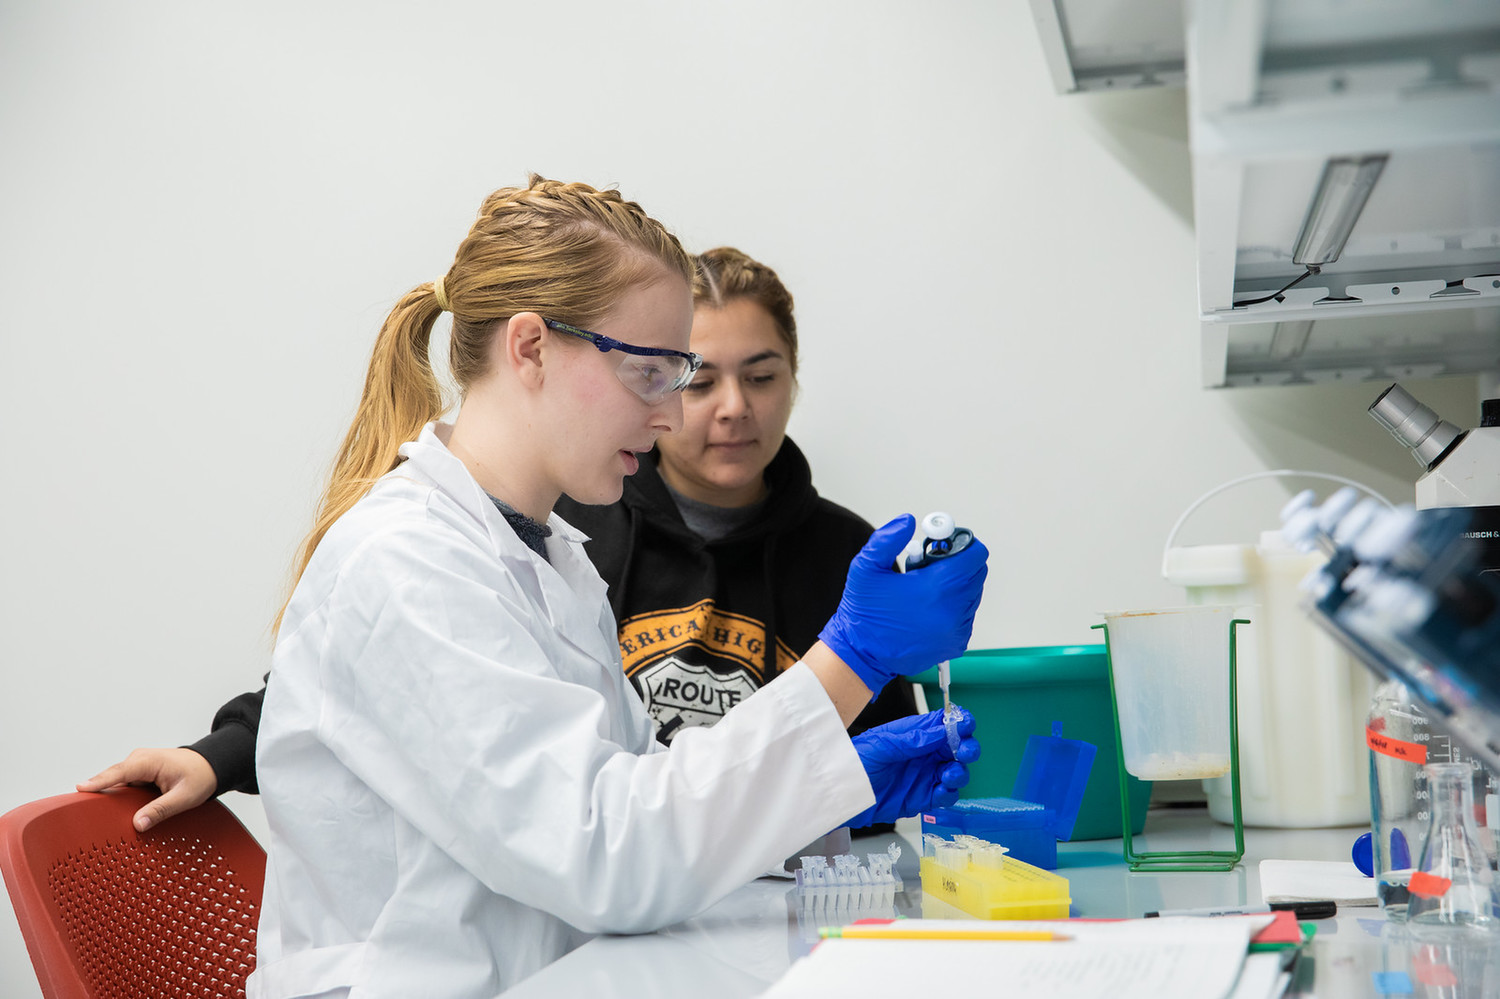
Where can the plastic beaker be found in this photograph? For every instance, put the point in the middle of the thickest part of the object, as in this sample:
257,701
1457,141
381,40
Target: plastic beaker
1171,677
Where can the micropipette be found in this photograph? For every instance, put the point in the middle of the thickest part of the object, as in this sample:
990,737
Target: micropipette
941,539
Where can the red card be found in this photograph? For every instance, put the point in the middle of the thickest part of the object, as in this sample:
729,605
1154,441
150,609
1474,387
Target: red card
1283,929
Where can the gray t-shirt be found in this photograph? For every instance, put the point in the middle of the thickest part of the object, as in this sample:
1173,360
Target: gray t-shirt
711,522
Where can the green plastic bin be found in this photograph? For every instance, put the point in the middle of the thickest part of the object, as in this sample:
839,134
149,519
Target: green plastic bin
1017,693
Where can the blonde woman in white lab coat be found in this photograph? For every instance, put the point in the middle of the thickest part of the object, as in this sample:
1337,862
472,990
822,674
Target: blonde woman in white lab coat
460,782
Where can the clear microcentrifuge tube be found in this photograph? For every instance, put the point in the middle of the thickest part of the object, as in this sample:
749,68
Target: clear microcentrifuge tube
950,712
990,855
814,871
953,855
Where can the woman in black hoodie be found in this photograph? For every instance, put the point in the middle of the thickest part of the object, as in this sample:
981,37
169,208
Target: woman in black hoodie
723,562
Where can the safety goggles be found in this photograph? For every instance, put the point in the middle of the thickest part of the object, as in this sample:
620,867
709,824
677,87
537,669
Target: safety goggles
653,373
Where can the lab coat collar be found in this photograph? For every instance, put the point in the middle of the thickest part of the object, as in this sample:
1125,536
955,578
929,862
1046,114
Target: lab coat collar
429,455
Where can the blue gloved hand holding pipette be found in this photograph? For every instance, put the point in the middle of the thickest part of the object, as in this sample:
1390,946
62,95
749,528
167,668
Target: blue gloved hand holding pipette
890,623
910,767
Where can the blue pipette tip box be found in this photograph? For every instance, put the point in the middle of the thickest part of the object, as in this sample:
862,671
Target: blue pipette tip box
1042,807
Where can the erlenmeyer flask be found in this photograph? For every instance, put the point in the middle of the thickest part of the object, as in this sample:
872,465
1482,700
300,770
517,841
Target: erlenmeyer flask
1453,884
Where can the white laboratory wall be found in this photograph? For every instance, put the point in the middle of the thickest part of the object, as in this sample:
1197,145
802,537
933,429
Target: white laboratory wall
205,211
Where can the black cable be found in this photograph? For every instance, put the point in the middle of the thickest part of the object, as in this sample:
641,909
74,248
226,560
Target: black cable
1277,294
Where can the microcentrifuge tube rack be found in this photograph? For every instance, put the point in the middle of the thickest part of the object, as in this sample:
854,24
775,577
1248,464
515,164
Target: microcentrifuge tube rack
846,891
816,876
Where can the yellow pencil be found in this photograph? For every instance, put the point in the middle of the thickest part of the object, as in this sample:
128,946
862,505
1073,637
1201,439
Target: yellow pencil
890,932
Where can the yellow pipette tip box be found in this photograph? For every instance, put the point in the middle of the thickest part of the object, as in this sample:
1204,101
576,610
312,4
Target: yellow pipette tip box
1014,890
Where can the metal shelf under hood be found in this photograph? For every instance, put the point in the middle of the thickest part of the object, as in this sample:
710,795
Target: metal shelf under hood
1276,90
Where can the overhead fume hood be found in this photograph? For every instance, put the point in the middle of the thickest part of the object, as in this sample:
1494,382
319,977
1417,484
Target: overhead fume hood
1094,45
1346,175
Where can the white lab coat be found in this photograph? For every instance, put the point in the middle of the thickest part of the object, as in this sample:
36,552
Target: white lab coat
460,782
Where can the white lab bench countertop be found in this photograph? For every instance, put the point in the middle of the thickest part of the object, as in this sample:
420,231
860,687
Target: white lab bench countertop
738,948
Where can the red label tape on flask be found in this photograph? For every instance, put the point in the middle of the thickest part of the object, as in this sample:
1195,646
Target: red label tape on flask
1412,752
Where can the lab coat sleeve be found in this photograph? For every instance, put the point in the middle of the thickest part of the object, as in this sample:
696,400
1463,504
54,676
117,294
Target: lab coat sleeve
490,732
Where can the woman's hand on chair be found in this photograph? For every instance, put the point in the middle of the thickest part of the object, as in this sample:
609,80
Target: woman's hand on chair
185,779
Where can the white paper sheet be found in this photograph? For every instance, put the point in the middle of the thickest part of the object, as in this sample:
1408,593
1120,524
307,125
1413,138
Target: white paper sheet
1314,880
1168,958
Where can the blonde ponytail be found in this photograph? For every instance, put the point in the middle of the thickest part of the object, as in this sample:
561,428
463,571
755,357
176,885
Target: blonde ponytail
564,251
401,396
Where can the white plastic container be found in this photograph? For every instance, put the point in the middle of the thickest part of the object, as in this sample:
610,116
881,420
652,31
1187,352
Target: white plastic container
1171,681
1302,698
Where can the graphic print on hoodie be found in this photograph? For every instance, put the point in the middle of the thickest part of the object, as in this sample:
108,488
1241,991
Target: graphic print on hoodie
692,664
696,617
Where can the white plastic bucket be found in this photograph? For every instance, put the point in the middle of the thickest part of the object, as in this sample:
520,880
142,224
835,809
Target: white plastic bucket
1302,699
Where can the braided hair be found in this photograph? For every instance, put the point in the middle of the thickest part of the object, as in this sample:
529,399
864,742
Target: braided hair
725,274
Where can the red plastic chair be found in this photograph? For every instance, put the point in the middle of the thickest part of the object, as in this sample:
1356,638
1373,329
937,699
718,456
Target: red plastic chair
110,912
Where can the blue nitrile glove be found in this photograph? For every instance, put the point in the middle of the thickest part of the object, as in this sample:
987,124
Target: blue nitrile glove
890,623
911,767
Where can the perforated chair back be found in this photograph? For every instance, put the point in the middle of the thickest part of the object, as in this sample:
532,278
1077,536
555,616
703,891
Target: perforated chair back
110,912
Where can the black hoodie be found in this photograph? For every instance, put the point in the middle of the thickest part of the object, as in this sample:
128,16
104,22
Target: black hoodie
696,617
